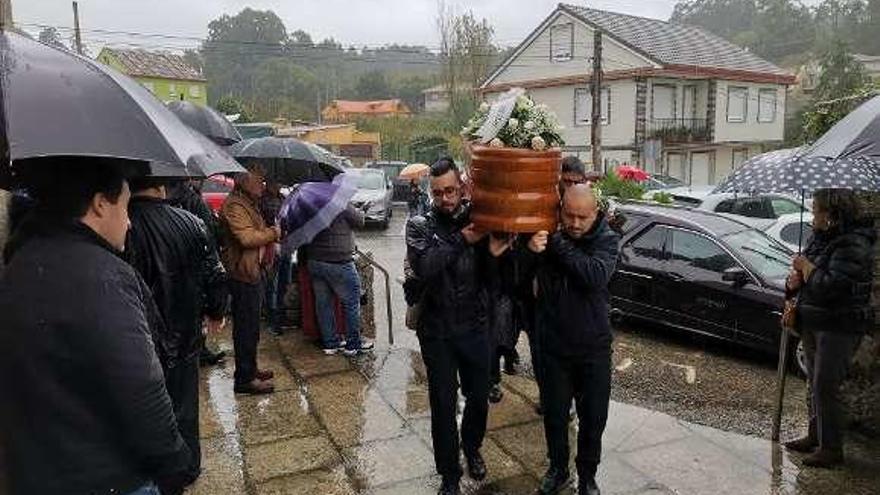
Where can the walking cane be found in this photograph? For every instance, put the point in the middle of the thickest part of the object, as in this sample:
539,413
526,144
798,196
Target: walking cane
782,367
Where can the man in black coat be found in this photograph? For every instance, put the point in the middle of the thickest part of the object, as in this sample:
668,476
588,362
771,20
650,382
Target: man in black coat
85,408
170,248
574,331
450,261
185,194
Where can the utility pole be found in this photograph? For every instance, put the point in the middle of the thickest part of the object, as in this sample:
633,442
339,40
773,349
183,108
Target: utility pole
76,32
5,14
596,93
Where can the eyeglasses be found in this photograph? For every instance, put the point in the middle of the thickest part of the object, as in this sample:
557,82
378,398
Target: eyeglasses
442,193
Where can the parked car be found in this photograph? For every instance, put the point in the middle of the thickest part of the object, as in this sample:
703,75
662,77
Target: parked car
660,182
769,206
400,187
701,272
215,189
373,195
785,228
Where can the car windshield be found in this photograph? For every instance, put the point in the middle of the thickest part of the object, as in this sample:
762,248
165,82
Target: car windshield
767,257
370,180
666,182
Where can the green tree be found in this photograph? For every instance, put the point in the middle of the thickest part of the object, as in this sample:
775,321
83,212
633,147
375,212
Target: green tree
842,85
373,86
285,89
236,46
409,89
230,105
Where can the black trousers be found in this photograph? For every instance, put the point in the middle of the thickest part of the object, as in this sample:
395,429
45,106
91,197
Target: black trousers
182,382
829,355
465,356
588,381
537,365
245,328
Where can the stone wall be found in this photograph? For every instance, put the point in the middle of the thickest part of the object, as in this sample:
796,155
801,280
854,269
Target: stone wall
861,392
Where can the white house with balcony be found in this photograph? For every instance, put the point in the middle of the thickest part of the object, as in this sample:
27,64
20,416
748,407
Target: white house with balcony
675,99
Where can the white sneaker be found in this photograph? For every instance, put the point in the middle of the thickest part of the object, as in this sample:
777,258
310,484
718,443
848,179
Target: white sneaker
366,346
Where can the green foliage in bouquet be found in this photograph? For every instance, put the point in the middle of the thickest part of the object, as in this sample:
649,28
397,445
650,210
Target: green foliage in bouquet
531,126
662,198
615,186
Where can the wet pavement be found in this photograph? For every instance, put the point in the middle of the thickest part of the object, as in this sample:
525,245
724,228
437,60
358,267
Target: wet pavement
341,426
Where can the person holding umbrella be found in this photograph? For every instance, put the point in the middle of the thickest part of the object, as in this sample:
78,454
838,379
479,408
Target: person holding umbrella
85,408
246,234
831,283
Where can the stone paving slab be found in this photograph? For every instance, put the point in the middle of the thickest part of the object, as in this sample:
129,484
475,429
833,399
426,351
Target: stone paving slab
340,426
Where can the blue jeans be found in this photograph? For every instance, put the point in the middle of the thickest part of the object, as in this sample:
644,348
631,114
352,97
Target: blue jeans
340,279
148,489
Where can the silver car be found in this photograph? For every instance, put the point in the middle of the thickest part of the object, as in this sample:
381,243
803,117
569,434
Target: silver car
373,196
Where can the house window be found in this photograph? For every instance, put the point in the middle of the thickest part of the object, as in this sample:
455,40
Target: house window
766,105
172,91
663,104
738,157
689,102
583,106
195,91
562,42
737,104
150,87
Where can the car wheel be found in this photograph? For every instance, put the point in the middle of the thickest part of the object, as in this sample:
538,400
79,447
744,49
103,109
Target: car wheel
385,223
800,357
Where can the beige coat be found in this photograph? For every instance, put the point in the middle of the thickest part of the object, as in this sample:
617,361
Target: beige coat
245,235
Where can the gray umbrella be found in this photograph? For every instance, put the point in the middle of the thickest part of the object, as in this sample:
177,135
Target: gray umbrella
57,104
287,160
857,134
207,121
790,171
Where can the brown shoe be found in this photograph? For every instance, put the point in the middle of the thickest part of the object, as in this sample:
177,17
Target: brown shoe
824,458
806,445
265,375
255,387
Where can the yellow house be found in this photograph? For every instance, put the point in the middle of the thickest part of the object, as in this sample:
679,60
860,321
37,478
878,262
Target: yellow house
166,75
340,139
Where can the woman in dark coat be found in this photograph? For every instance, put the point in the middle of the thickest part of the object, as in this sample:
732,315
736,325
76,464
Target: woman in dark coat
832,284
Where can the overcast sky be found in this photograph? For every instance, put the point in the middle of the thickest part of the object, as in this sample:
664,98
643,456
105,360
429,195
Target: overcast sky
355,22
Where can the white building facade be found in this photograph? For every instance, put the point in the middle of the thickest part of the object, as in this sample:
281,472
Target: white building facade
675,99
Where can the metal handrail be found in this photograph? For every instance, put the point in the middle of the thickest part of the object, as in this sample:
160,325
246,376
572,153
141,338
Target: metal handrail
382,269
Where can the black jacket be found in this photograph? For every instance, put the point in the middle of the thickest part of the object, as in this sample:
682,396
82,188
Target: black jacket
837,296
169,247
335,244
572,292
453,276
85,409
185,196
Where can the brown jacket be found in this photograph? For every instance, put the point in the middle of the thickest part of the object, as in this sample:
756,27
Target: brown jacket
245,235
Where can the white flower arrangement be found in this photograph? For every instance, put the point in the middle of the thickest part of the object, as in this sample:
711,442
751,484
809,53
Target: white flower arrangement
530,126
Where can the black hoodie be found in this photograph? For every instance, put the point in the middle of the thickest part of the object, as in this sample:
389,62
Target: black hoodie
572,292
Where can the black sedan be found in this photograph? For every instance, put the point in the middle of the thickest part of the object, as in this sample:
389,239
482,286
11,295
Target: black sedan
701,272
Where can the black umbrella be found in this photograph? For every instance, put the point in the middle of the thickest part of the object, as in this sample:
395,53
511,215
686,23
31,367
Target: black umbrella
207,121
287,160
57,104
856,135
790,171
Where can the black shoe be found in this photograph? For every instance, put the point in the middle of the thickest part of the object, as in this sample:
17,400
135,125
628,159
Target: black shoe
805,445
824,458
495,394
208,358
554,481
588,487
476,466
449,487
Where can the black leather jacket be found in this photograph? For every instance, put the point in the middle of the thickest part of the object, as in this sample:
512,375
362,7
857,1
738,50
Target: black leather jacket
185,196
170,249
453,276
84,403
837,296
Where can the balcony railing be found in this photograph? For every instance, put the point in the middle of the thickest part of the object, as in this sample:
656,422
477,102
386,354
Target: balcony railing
679,130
